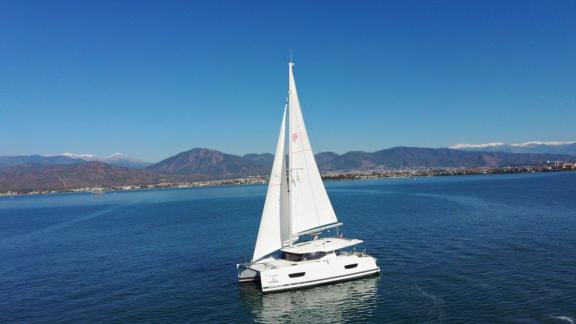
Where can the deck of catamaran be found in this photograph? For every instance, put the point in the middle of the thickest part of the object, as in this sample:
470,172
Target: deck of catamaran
308,251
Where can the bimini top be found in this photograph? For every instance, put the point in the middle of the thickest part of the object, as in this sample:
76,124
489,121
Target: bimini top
327,244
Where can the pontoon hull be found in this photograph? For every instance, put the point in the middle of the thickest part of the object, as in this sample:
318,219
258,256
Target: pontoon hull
311,273
247,274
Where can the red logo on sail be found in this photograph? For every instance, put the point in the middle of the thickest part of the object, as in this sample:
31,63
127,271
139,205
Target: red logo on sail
294,136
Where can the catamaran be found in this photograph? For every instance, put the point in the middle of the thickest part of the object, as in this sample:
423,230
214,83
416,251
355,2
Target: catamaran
294,248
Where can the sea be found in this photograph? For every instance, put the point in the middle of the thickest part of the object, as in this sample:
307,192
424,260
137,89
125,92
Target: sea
458,249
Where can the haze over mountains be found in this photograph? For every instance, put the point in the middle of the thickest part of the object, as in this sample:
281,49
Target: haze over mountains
528,147
36,160
37,172
118,159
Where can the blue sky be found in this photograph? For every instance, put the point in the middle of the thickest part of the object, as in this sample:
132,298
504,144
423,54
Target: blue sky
154,78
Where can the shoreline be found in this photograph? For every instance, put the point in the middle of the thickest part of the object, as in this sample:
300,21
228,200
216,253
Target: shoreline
329,176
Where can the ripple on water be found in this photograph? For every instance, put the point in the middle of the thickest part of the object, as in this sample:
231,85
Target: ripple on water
455,249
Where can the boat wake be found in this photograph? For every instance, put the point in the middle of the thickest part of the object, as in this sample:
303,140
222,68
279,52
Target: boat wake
436,311
563,318
55,227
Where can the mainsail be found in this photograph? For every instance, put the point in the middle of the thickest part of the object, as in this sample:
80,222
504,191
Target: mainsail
310,207
296,200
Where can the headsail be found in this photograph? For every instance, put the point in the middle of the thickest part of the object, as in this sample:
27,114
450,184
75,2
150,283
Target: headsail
270,234
310,205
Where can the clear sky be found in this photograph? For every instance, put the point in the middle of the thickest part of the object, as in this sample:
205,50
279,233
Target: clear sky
154,78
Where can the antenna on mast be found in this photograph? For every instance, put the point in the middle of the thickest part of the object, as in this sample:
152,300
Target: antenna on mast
291,61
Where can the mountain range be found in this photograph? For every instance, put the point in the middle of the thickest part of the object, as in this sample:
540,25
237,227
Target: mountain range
415,157
207,163
117,159
37,160
214,164
76,175
64,172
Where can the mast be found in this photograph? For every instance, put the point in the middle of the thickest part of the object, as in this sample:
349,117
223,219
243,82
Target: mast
289,168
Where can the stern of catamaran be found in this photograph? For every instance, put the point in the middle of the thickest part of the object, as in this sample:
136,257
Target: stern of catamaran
250,271
246,273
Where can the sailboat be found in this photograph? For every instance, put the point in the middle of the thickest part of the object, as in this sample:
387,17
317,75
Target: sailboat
294,248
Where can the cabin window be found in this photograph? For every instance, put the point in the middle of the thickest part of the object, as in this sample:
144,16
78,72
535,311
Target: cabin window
314,255
304,257
297,274
292,257
351,266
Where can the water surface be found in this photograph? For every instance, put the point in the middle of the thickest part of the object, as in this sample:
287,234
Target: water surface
497,248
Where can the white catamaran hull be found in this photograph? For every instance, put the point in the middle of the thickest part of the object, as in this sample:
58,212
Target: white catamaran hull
297,216
279,275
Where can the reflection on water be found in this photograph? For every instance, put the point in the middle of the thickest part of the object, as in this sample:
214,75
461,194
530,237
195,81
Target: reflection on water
333,303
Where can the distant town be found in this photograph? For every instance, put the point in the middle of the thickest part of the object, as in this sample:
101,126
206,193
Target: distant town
549,166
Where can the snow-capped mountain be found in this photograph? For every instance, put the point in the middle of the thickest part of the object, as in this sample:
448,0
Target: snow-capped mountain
528,147
119,159
85,157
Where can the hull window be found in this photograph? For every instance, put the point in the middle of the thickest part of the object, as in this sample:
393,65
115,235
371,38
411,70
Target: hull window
297,274
351,266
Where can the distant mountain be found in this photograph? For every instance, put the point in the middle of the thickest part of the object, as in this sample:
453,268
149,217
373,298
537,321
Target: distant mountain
66,176
528,147
265,159
209,164
35,160
411,157
326,158
124,160
118,159
62,172
214,164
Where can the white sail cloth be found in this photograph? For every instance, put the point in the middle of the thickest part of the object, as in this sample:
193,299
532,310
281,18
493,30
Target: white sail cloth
310,206
296,201
270,233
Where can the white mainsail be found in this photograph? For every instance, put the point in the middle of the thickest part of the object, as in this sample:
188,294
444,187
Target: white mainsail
296,201
310,205
270,234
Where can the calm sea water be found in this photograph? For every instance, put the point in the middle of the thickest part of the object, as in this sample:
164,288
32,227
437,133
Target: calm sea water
451,249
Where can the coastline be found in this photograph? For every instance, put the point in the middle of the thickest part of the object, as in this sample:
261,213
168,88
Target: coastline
332,175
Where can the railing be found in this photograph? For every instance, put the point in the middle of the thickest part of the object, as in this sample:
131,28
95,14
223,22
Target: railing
353,252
